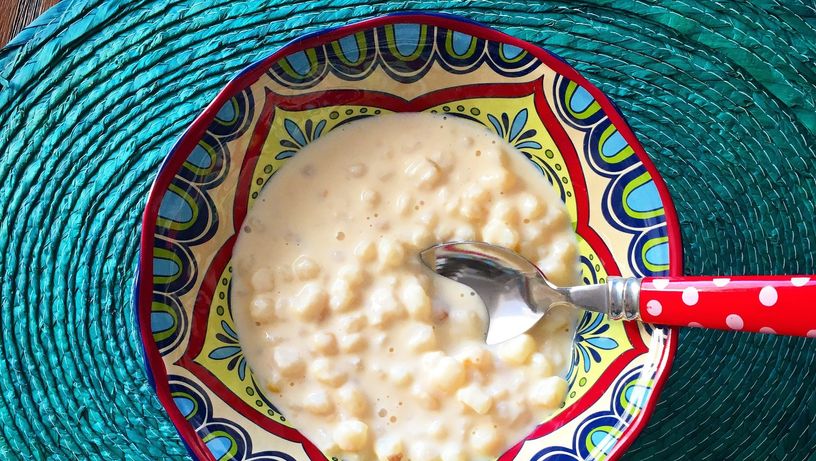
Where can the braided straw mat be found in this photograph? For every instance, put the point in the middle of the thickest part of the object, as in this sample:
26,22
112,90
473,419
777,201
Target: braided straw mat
93,95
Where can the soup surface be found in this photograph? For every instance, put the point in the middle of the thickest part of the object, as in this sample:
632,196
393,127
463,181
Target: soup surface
363,349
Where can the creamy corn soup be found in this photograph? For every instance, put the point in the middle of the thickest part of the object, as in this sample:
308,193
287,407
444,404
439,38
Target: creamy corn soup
362,348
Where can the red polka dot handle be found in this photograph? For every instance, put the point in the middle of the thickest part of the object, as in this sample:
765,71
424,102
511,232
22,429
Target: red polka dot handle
784,305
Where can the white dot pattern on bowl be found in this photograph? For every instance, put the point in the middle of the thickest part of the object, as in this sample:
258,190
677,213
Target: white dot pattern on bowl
721,281
767,330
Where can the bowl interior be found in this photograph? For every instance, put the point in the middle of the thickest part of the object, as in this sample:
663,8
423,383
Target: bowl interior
566,128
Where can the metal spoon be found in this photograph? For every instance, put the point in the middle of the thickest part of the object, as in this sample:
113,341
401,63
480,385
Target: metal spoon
517,295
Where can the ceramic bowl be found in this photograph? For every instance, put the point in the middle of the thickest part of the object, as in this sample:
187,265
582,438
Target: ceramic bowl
570,132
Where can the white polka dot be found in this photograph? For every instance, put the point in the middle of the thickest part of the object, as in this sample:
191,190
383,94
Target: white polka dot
695,325
734,322
811,334
721,282
660,283
768,296
690,296
767,330
799,281
654,308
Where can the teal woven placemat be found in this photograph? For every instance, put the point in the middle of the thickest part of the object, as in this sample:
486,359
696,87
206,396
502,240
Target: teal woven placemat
722,95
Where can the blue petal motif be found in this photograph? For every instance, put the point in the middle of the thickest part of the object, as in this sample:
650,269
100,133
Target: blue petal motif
518,123
596,320
527,134
602,329
228,329
496,125
589,340
224,352
514,132
603,342
319,129
300,137
595,355
585,356
242,369
225,339
528,145
295,132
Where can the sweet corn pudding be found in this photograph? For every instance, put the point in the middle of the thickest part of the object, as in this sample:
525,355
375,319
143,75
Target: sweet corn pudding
363,349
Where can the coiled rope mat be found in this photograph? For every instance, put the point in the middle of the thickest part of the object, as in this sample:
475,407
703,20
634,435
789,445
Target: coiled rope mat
722,95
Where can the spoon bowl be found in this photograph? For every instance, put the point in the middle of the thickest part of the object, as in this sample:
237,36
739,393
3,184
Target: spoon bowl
516,294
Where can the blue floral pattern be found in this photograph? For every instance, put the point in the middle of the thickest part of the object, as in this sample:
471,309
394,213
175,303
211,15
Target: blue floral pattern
231,350
590,339
299,138
514,131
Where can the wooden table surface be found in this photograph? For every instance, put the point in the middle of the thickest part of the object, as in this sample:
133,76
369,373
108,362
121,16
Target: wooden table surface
16,14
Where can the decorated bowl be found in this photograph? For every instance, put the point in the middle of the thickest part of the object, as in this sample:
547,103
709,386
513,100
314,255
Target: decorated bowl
568,130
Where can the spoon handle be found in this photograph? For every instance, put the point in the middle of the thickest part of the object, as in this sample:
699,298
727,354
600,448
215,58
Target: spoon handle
784,305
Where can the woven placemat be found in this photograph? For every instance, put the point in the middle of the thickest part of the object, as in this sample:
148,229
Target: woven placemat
722,95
